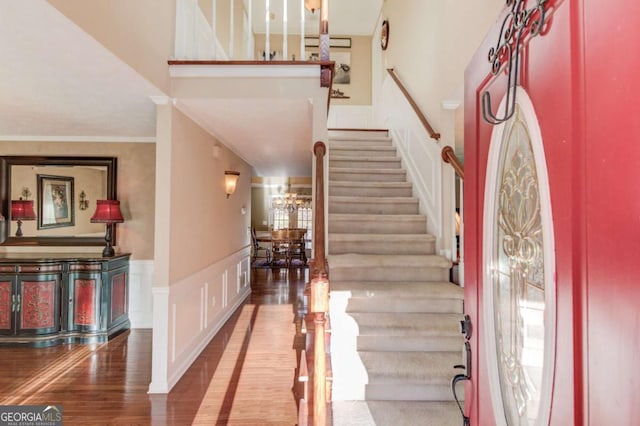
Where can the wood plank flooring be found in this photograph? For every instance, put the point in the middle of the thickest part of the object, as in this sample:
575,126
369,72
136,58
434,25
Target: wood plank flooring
243,377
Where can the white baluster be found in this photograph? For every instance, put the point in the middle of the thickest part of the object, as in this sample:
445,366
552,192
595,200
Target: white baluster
303,54
267,18
194,35
231,27
250,29
285,15
214,37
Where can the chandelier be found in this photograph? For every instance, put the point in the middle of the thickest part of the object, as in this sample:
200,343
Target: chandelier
289,201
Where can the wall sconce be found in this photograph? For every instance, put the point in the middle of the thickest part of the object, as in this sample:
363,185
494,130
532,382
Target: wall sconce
22,210
230,181
107,212
83,203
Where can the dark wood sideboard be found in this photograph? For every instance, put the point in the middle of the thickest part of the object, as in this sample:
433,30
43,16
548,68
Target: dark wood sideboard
47,299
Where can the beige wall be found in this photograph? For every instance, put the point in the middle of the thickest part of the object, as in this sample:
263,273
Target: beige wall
430,44
139,32
136,185
359,90
206,227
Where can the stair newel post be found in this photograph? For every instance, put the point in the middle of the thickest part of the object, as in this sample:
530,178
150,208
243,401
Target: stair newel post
319,303
319,149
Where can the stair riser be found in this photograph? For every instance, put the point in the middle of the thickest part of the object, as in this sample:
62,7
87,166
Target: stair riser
381,247
409,343
398,392
371,176
358,145
354,191
363,152
386,303
389,274
373,208
372,164
378,227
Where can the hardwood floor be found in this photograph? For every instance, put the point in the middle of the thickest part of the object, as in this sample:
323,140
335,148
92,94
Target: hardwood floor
243,377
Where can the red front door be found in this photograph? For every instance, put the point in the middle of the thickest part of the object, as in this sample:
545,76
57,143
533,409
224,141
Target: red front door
556,335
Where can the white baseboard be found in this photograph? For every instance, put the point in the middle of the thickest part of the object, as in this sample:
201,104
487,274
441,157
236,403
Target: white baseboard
191,313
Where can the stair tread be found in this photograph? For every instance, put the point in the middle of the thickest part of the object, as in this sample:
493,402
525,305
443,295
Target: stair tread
380,170
362,158
388,413
390,200
360,138
432,290
369,184
408,324
388,260
423,368
362,147
377,217
382,237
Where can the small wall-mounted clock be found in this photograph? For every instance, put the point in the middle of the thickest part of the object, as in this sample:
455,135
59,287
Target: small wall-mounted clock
384,35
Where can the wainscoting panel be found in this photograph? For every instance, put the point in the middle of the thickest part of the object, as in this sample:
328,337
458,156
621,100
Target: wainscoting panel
350,117
420,154
198,306
140,295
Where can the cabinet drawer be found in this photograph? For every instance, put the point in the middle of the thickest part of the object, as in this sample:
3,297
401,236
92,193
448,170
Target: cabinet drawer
39,268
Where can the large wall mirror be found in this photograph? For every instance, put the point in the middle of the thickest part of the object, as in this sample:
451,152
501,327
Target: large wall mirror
64,191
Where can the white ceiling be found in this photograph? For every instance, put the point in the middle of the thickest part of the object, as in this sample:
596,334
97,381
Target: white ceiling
272,134
58,83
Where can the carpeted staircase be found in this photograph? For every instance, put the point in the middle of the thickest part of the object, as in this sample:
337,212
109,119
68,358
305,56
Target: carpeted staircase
395,316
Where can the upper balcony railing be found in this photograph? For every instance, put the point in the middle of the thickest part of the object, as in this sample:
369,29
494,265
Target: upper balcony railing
287,30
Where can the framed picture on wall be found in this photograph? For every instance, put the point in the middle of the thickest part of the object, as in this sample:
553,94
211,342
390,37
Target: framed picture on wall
342,73
55,201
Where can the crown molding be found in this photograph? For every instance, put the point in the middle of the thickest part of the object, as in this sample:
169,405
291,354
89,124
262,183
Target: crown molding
80,139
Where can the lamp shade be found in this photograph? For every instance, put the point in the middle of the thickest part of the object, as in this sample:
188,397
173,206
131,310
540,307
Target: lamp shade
22,210
230,181
107,211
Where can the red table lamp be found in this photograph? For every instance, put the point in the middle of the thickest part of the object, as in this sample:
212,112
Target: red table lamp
107,212
22,210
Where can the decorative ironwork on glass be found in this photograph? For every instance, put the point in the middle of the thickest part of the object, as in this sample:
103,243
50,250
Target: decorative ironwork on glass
518,279
519,24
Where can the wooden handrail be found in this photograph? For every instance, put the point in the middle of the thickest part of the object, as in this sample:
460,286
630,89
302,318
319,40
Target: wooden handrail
432,133
332,70
448,156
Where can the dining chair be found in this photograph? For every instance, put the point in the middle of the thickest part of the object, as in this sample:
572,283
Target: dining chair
257,248
279,247
297,245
